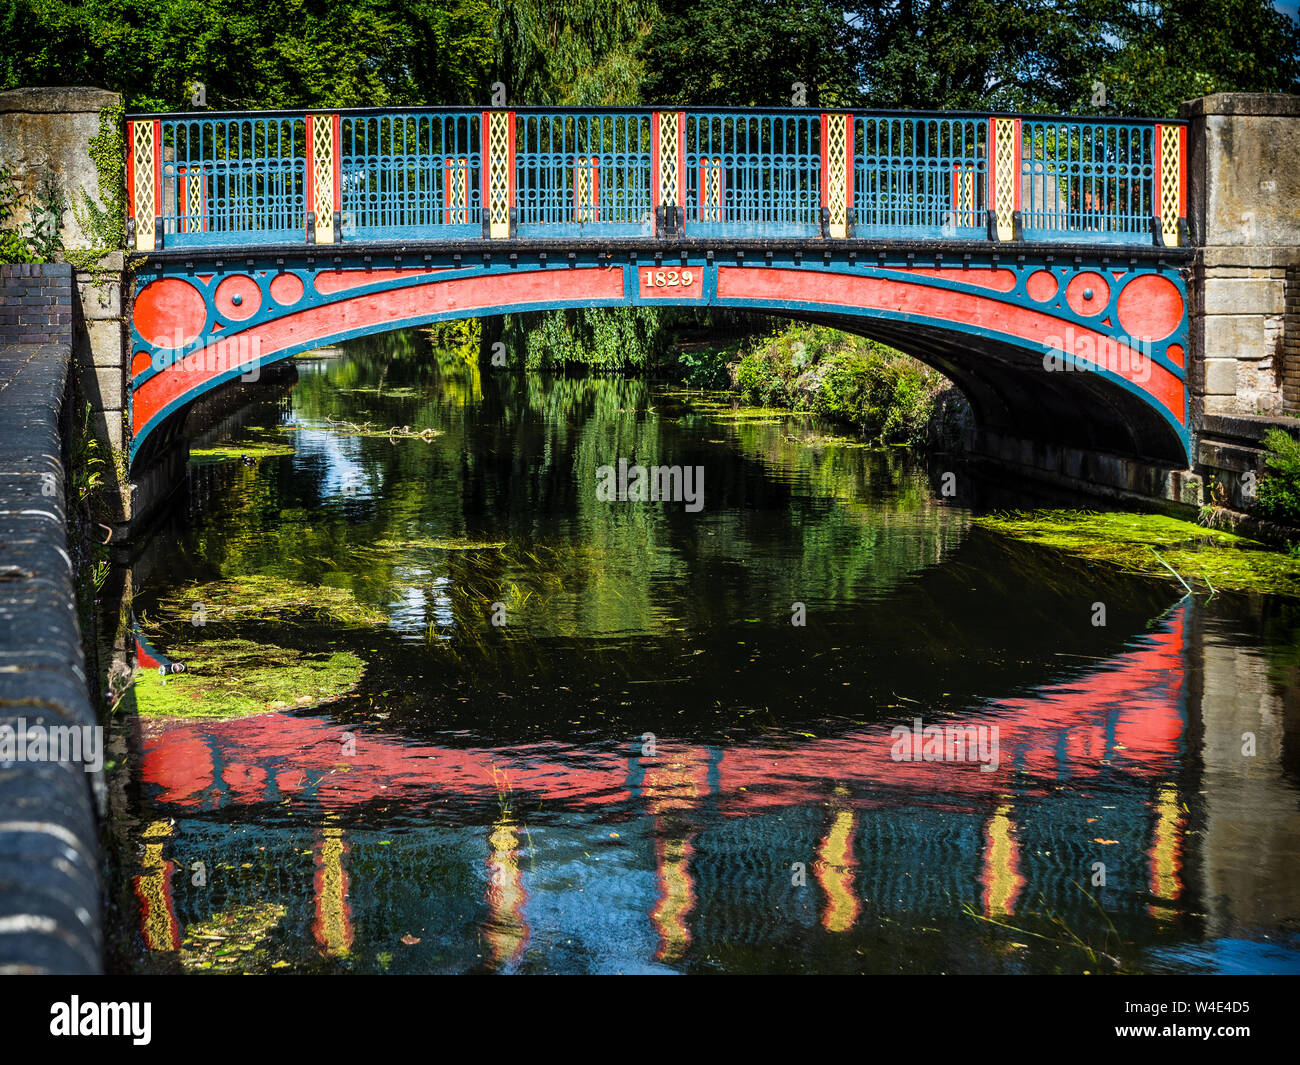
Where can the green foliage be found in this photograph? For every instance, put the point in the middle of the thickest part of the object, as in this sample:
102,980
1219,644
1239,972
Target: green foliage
579,52
737,52
880,392
37,241
250,54
707,366
1277,497
85,464
1009,55
1198,47
457,341
609,340
996,54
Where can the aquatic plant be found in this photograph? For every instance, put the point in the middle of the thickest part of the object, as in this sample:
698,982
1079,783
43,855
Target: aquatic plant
1155,545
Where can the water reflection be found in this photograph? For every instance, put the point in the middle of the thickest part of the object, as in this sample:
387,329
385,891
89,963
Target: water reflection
650,768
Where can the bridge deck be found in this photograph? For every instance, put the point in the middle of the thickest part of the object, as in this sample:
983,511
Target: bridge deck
271,178
585,248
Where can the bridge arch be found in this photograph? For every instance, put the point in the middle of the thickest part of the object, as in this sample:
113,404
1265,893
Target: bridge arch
1083,351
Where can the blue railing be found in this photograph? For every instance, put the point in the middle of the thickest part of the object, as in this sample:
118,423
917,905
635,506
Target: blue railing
925,176
753,174
409,170
583,174
1080,178
454,174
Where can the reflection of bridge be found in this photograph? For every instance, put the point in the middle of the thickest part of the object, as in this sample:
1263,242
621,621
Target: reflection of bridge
713,824
976,242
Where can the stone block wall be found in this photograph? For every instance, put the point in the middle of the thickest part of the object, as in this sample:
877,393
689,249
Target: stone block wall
45,135
35,304
1291,342
1243,191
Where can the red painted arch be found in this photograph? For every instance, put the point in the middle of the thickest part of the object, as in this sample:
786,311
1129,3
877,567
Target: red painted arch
979,306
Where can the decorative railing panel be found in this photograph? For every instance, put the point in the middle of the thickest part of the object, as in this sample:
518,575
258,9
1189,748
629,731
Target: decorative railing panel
424,174
583,175
753,174
920,176
1089,181
420,171
232,180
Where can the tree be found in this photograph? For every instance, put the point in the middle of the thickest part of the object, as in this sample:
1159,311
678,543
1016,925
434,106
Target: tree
1006,55
746,53
250,54
572,52
1125,56
1182,49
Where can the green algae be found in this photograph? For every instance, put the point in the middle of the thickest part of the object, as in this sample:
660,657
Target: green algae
228,674
235,678
1146,543
234,452
264,597
442,544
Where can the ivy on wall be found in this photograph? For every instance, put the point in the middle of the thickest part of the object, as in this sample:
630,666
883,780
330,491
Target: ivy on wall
103,222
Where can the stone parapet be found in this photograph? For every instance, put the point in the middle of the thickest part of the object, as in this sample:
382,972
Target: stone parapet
50,918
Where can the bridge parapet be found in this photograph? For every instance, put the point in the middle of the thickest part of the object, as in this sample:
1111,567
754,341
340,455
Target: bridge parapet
205,180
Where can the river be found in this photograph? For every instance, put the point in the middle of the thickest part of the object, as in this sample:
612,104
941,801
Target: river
489,719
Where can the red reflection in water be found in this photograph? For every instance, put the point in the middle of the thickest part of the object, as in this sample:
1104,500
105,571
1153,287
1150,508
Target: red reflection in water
1127,715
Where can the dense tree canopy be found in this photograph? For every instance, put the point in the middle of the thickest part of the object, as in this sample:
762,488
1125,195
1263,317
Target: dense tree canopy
751,52
249,53
581,52
1121,56
1196,47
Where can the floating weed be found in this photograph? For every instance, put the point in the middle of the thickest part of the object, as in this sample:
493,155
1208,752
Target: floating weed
254,450
1152,545
233,941
440,544
235,678
265,597
366,429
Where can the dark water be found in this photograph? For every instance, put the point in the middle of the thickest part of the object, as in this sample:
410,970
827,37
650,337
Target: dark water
648,767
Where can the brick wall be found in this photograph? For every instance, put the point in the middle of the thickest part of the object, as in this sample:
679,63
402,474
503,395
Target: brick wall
36,303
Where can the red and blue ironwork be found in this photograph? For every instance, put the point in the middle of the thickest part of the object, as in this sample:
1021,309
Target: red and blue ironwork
583,175
405,171
996,247
420,175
